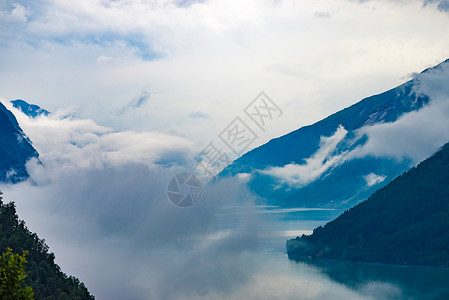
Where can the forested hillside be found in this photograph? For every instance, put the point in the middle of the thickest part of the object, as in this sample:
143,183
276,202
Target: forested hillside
44,275
406,222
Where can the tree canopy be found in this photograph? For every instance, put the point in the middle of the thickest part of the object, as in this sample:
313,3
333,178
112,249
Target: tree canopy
12,274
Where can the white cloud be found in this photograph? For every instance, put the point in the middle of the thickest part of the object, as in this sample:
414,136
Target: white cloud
66,142
416,135
373,179
18,13
101,194
244,177
324,159
199,57
102,59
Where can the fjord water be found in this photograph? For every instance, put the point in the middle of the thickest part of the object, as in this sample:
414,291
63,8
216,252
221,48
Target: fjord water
324,279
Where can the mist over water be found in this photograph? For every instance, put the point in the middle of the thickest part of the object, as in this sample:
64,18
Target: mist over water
99,199
127,245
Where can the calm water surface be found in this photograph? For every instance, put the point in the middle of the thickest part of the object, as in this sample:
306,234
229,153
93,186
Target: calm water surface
334,279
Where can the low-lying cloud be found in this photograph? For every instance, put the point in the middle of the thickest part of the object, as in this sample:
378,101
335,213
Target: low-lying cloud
324,159
418,134
413,137
100,202
99,199
115,229
68,142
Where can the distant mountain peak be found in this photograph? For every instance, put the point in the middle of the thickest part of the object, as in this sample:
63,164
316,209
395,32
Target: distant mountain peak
31,110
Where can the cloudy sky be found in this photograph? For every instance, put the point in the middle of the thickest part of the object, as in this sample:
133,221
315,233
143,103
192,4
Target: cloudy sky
173,66
149,84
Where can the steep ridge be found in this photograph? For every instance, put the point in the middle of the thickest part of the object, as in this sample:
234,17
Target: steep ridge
15,148
314,159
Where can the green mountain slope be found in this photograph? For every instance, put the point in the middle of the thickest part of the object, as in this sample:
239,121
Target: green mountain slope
406,222
44,275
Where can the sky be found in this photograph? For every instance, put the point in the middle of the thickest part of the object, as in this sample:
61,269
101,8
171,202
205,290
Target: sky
172,66
138,88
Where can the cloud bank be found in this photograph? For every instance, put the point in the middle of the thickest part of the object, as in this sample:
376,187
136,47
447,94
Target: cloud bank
100,202
99,199
324,159
66,142
311,57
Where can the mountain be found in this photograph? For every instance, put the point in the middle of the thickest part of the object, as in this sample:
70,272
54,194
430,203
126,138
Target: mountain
15,148
44,275
31,110
406,222
321,165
